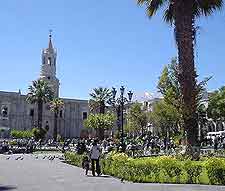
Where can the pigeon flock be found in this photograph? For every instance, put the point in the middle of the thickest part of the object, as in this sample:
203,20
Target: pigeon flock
36,157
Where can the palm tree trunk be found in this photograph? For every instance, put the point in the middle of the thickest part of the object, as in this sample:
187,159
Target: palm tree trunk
101,131
185,37
40,112
102,108
55,126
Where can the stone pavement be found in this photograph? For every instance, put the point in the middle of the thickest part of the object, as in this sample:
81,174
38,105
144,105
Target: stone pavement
33,173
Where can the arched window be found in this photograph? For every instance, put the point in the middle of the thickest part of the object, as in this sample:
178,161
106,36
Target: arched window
49,61
61,113
31,112
4,111
85,115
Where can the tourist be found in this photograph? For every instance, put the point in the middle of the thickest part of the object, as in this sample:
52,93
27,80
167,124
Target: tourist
95,155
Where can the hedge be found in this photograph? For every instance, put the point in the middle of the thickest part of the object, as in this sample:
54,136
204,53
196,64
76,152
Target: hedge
164,169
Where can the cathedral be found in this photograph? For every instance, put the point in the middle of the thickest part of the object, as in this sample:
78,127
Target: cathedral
17,114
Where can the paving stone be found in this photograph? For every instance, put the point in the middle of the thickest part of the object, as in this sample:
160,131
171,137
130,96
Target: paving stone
40,174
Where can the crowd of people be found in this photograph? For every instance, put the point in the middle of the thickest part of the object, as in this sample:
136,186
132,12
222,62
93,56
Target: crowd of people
216,142
146,145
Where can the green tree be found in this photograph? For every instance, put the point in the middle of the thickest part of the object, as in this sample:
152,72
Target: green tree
169,87
137,118
100,121
99,99
182,15
165,118
56,105
39,93
216,106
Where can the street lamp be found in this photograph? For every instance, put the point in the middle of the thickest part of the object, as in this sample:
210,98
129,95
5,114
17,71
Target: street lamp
119,103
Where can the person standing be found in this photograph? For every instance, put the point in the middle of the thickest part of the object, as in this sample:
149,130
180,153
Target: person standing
95,155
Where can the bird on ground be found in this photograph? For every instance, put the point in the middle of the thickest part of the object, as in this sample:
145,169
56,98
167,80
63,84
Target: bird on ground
7,158
18,158
52,158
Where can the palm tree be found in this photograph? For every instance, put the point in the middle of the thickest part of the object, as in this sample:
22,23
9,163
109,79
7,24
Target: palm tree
99,98
182,15
56,106
39,93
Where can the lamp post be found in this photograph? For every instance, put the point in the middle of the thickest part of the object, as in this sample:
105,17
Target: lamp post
119,104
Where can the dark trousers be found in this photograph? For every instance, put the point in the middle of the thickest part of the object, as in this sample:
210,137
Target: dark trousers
98,170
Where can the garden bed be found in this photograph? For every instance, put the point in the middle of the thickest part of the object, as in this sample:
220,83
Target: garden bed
162,169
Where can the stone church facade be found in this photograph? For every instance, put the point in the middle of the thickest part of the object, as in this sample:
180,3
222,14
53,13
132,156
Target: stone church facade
16,113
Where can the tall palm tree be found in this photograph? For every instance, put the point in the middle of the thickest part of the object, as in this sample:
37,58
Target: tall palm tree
39,93
56,106
99,98
182,14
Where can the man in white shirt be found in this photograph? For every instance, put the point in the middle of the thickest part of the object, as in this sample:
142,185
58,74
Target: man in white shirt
95,155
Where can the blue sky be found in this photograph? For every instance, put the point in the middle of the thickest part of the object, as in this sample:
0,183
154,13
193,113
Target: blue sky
108,43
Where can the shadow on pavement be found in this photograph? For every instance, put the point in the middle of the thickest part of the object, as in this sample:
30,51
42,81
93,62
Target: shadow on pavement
102,176
3,188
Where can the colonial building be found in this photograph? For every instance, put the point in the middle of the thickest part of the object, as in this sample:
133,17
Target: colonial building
16,113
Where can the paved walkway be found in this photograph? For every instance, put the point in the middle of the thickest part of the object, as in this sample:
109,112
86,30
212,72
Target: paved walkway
38,174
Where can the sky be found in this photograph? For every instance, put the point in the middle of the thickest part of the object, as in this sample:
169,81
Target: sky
99,43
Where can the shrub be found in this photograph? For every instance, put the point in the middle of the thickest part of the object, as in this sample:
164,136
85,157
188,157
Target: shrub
13,143
158,169
39,133
171,168
216,170
21,134
193,170
74,159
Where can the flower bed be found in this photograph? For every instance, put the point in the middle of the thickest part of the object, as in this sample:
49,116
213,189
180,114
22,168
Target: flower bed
162,169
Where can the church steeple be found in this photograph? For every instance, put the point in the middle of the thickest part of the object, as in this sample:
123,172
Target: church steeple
50,46
48,66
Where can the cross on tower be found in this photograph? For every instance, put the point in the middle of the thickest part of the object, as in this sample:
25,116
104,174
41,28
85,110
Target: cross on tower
50,33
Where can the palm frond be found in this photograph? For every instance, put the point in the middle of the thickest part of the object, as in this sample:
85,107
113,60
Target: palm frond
207,7
99,96
39,90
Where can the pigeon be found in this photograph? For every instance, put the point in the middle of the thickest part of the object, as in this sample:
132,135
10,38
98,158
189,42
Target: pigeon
7,158
18,158
21,158
52,158
44,157
36,157
122,180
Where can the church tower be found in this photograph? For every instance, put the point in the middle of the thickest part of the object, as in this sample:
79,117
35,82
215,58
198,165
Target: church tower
48,67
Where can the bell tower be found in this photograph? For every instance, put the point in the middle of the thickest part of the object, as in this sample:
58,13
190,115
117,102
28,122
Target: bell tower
48,66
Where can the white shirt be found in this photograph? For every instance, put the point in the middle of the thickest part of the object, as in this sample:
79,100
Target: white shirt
95,152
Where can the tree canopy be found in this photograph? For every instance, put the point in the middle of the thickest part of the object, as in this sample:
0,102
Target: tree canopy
137,118
199,8
100,121
216,105
39,91
99,98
